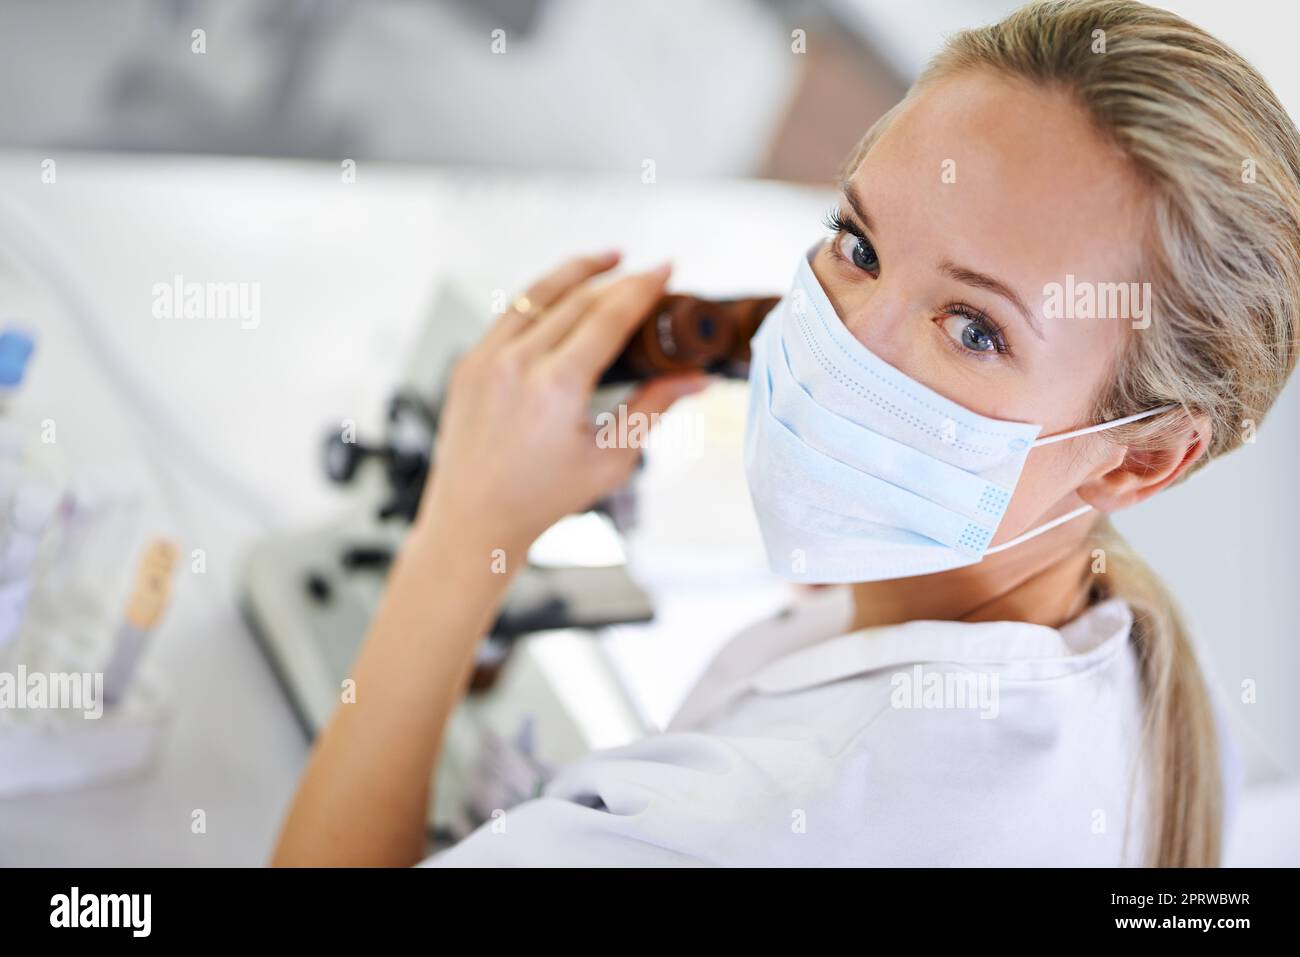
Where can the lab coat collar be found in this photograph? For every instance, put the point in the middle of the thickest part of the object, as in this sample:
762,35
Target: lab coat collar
1015,649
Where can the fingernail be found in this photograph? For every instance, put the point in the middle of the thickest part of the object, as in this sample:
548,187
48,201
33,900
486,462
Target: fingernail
663,269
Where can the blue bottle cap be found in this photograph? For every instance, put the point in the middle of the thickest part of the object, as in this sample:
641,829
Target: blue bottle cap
16,348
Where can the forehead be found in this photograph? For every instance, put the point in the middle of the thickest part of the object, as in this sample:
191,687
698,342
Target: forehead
1007,178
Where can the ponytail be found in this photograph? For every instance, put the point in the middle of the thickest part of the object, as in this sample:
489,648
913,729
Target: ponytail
1183,784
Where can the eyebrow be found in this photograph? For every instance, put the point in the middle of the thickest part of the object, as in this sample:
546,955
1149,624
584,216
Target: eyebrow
855,200
982,281
962,274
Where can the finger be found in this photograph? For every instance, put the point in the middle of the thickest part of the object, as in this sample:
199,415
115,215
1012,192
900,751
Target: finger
604,329
547,290
553,325
658,395
554,285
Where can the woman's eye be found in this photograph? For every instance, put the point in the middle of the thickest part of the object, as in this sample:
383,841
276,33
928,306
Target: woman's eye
858,251
974,335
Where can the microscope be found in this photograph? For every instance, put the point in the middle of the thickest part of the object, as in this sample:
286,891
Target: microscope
309,596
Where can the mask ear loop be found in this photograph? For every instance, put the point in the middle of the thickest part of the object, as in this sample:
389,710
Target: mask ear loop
1061,437
1101,426
1045,527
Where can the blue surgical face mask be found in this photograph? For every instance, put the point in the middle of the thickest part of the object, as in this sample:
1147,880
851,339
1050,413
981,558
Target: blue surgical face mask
860,473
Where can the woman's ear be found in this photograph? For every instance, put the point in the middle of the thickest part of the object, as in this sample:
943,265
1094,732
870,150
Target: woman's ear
1145,471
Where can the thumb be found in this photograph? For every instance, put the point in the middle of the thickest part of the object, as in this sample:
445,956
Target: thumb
659,394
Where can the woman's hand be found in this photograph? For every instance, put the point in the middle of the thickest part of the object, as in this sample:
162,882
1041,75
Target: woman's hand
515,453
516,446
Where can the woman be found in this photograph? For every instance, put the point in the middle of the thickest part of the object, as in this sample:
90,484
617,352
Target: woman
1064,274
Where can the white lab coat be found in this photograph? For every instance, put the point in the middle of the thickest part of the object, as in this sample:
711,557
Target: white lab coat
798,747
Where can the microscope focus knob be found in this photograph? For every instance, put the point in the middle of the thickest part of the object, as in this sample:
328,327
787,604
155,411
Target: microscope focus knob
342,457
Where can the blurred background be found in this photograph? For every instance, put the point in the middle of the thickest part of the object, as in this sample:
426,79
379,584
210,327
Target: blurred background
489,138
706,89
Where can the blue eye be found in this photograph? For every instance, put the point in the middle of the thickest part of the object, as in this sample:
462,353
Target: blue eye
864,256
850,243
976,338
860,252
974,333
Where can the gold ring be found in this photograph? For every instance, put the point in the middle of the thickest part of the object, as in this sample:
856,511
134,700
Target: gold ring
524,306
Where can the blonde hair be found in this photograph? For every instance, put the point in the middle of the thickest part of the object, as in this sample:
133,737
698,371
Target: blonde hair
1223,260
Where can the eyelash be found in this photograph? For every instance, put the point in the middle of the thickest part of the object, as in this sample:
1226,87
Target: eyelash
972,314
835,222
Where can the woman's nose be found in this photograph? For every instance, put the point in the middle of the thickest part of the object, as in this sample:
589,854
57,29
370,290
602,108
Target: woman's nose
876,314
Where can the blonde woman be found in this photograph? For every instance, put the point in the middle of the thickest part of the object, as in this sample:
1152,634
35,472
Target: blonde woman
929,428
